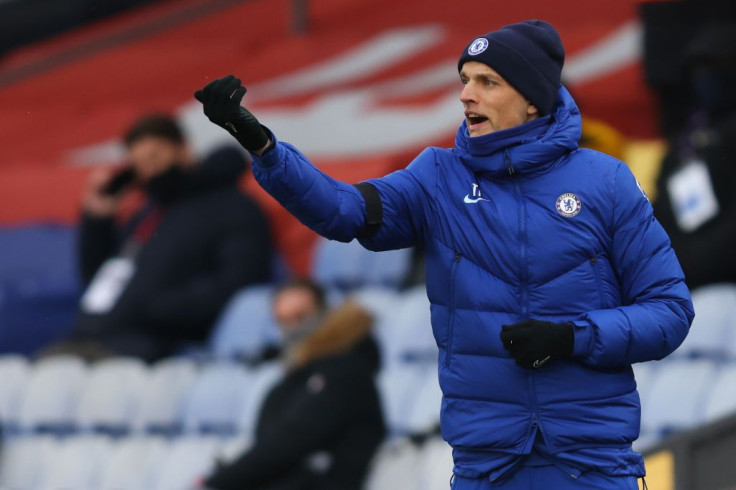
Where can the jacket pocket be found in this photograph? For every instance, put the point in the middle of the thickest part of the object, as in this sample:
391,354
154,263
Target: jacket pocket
450,327
598,281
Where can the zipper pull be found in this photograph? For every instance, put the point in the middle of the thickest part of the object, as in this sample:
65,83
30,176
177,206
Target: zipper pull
457,257
508,162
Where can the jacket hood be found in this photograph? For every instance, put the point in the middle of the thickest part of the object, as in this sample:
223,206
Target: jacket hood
343,330
527,148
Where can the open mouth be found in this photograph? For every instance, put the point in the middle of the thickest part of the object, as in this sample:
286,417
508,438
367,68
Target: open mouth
474,119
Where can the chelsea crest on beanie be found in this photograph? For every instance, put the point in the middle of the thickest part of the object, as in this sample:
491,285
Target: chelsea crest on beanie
529,55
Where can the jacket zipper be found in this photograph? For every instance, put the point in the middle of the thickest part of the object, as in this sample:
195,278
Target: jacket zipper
453,272
524,293
598,281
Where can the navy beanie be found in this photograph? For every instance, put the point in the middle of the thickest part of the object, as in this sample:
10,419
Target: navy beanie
529,55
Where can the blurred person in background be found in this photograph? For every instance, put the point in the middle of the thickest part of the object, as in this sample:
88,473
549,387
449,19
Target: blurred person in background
696,187
157,281
546,270
319,427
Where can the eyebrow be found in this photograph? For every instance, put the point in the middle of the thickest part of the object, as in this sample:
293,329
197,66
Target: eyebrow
485,74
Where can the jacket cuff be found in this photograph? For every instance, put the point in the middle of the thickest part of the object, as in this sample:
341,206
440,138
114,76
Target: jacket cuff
272,156
583,338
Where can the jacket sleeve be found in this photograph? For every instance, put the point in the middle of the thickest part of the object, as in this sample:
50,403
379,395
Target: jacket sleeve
337,210
310,424
242,257
97,243
657,310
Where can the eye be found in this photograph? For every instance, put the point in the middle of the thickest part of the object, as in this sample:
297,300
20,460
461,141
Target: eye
464,81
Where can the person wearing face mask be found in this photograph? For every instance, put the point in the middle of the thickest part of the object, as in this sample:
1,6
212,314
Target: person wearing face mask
319,427
157,281
696,201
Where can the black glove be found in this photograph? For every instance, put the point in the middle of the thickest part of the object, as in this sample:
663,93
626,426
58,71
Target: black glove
533,343
221,103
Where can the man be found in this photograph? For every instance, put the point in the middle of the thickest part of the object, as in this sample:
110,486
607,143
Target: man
320,426
547,273
158,282
695,189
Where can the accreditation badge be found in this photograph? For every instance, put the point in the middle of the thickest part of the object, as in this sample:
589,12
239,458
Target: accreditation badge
108,284
691,193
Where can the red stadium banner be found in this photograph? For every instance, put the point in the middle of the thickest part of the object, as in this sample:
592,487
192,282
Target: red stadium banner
370,85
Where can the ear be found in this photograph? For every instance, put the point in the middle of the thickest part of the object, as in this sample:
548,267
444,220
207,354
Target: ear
531,110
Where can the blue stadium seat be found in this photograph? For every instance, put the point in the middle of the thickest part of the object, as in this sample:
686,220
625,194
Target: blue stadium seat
112,395
246,326
39,286
51,397
349,266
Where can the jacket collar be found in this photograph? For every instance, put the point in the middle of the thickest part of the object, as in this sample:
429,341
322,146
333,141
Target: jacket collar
531,147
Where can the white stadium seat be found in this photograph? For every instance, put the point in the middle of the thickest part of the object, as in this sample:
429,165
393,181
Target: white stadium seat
78,464
436,465
713,332
424,414
262,380
112,394
349,265
246,326
187,460
215,401
24,461
134,464
395,466
52,394
14,372
398,386
645,374
410,337
162,402
677,397
722,400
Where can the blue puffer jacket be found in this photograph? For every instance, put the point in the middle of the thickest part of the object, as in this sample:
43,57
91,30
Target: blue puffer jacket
521,224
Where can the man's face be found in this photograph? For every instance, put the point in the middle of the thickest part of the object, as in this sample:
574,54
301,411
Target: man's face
153,155
491,103
291,307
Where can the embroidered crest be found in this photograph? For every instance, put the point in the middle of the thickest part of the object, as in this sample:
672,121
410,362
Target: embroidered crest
478,46
568,205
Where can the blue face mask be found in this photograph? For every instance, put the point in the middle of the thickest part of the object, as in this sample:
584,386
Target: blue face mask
714,92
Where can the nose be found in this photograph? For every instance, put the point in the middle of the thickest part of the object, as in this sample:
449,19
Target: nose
468,94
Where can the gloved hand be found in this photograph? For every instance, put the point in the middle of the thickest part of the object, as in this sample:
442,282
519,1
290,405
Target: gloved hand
221,103
534,343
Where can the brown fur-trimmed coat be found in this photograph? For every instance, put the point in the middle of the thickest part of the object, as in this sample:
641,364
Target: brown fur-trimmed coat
320,426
